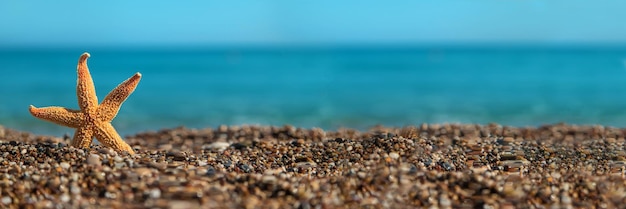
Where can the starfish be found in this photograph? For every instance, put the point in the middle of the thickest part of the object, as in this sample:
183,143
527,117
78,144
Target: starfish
92,120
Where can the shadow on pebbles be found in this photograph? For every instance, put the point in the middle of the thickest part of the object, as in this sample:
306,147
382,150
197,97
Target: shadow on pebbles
439,166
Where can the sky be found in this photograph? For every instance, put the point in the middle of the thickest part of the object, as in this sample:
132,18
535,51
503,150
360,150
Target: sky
319,22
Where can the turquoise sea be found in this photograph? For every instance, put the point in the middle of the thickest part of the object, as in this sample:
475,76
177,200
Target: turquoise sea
325,87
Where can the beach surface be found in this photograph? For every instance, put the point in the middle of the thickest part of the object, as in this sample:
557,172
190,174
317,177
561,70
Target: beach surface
440,165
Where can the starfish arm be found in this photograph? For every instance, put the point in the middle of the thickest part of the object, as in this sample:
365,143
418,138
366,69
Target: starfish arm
59,115
83,137
85,90
106,134
113,101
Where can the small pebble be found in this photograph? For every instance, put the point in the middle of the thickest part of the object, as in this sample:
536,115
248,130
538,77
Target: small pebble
394,155
155,193
220,146
64,165
6,200
65,198
94,159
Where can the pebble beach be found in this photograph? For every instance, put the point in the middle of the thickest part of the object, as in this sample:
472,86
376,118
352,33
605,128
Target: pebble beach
422,166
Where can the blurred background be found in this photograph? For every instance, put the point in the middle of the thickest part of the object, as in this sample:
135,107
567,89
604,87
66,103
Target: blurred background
325,64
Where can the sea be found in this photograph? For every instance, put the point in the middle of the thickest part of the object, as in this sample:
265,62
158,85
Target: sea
330,88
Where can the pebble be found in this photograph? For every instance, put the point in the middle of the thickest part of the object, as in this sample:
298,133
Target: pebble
65,198
64,165
268,179
75,189
155,193
444,201
6,200
219,146
394,155
165,147
94,159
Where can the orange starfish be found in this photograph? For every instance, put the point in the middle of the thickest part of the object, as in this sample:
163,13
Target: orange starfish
92,120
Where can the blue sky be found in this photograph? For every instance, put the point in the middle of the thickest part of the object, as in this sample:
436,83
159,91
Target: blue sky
292,22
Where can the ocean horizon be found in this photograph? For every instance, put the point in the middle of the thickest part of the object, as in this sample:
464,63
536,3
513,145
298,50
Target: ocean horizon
327,88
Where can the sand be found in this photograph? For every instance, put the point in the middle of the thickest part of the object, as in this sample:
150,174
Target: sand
430,165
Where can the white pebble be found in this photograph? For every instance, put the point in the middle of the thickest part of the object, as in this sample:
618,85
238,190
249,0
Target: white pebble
219,146
120,165
155,193
94,159
565,199
394,155
75,189
444,201
65,165
74,177
65,197
202,163
6,200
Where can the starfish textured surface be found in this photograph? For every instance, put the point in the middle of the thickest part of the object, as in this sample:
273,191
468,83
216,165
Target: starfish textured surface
92,120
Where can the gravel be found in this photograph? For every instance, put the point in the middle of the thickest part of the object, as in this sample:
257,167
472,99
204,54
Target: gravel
431,165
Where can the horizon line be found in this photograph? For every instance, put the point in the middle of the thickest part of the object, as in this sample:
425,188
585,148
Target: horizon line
369,46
